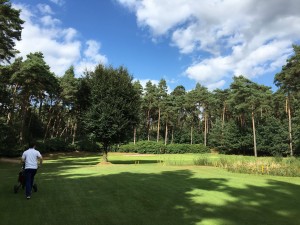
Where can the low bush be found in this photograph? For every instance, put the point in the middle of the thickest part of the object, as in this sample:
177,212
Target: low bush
152,147
61,145
52,145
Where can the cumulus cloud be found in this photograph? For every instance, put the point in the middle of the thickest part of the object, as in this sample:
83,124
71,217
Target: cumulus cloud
249,37
61,46
46,9
58,2
91,57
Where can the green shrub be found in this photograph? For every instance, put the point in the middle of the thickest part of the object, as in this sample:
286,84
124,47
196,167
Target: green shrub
86,145
52,145
152,147
186,148
8,141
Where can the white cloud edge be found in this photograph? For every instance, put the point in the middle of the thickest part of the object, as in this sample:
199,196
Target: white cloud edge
241,38
60,45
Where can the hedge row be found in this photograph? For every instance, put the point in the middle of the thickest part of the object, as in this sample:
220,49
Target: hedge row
152,147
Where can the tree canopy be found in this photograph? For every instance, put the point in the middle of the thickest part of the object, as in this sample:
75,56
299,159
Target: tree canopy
113,112
10,30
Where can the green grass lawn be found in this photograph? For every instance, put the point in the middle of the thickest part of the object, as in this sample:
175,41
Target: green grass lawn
142,190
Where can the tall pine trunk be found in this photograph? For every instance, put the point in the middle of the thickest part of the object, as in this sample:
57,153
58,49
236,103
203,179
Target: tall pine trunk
166,134
191,135
158,125
290,124
205,128
254,134
134,136
148,124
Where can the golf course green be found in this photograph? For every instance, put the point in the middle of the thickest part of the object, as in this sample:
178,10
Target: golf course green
76,189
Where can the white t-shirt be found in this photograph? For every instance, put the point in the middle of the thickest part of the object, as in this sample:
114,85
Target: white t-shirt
30,157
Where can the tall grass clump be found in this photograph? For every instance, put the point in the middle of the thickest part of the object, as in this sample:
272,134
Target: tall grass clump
277,166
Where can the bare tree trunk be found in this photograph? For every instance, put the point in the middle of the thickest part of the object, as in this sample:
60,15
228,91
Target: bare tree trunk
148,124
63,131
40,108
254,134
191,135
47,129
205,128
223,122
158,125
223,116
10,115
290,127
134,136
105,153
24,110
74,133
172,139
166,134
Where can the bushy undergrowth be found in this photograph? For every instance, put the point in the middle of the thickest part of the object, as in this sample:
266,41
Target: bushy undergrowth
61,145
272,166
152,147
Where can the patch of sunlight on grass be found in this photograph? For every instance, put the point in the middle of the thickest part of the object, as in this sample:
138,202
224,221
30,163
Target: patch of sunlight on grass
282,212
216,198
215,222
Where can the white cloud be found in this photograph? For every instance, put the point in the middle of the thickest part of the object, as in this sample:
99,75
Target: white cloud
58,2
61,46
91,58
45,9
249,37
49,21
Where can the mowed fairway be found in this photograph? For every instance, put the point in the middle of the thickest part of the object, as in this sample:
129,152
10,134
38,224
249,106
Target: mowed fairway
138,190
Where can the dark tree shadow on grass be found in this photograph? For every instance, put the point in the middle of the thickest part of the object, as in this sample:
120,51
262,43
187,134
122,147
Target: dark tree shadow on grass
170,197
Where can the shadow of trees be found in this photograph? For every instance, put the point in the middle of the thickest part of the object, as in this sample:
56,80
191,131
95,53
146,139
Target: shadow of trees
175,197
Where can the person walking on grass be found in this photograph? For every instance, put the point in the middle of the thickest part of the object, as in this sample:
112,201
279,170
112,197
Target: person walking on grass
31,157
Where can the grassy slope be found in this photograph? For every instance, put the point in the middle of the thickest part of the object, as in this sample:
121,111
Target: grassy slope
138,190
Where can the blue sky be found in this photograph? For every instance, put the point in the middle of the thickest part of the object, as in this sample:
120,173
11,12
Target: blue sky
181,41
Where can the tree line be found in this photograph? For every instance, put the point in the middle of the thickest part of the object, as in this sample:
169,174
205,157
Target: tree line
247,118
105,105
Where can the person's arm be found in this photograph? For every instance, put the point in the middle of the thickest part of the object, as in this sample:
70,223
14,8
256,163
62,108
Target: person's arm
41,161
23,158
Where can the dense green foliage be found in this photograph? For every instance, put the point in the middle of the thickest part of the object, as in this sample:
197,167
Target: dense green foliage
10,30
105,107
153,147
114,104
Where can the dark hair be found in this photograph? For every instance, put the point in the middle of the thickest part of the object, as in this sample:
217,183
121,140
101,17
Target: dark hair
31,145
